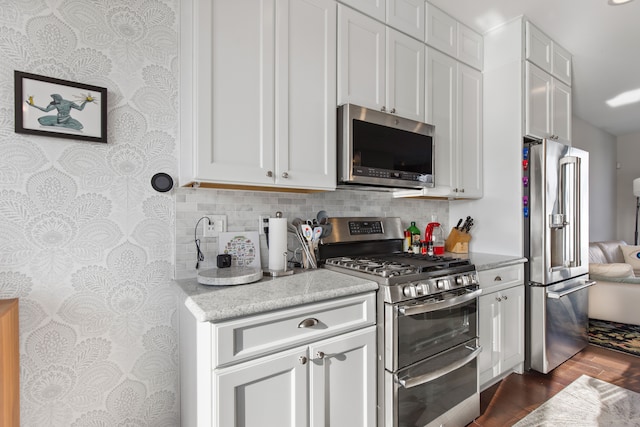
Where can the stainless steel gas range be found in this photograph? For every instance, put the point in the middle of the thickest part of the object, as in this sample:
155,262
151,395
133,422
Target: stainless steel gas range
427,321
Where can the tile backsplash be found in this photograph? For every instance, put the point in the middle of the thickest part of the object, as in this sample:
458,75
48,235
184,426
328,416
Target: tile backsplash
244,207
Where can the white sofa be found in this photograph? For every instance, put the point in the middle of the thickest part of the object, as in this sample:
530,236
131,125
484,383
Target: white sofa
616,296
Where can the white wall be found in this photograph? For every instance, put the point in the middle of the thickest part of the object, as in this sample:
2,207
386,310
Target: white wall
602,178
628,147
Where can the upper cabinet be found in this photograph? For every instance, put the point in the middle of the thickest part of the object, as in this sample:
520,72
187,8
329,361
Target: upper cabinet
547,54
447,35
406,16
454,106
547,78
379,67
258,93
547,106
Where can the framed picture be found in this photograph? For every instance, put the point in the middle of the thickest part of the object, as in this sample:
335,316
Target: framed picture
60,108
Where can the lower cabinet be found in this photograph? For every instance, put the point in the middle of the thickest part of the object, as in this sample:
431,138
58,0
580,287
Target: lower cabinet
312,365
331,382
501,330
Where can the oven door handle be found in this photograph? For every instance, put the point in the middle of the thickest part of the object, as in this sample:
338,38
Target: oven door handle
410,310
432,376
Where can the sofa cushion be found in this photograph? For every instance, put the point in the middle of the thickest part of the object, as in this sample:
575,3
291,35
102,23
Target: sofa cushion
632,256
606,252
612,270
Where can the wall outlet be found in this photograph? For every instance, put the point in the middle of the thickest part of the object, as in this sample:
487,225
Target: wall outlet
216,225
263,223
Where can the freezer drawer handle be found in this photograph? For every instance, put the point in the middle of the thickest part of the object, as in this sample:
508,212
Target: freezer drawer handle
408,310
432,376
558,295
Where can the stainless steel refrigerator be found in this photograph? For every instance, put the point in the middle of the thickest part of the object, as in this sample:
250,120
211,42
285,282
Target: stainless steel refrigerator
556,239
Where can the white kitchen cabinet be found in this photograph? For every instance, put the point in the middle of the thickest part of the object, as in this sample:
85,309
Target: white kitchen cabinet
258,93
541,50
379,67
311,365
454,107
547,105
447,35
501,326
407,16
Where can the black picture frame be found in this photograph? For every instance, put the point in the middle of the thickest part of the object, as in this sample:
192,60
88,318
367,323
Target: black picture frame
59,108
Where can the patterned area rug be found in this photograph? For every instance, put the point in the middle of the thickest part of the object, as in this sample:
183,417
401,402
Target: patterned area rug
587,402
616,336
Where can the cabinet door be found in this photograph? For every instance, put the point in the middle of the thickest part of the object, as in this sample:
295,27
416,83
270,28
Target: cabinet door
407,16
561,63
512,313
441,101
489,337
470,47
405,76
561,112
343,380
235,127
537,101
361,59
441,31
537,47
469,132
305,145
373,8
270,391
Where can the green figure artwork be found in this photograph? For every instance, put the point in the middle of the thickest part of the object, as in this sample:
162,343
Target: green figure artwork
63,118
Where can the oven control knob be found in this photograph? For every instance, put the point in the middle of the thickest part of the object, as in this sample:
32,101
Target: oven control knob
423,289
441,284
410,291
459,280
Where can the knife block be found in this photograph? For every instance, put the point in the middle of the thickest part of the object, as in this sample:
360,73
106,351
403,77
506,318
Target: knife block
457,242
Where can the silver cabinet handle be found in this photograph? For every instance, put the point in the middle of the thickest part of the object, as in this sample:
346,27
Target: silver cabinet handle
504,297
320,355
302,360
269,174
498,299
285,175
497,279
462,190
308,322
393,111
383,109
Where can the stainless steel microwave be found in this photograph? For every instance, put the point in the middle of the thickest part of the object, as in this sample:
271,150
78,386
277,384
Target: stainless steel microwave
377,149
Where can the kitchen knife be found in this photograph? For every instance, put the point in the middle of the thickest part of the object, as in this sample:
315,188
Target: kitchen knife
466,221
468,226
458,225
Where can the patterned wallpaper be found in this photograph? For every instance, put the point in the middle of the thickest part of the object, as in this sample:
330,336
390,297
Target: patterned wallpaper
85,243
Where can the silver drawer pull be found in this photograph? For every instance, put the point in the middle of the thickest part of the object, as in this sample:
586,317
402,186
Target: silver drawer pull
320,355
302,360
497,279
308,322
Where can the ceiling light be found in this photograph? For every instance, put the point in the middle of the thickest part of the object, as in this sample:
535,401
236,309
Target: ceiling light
618,2
625,98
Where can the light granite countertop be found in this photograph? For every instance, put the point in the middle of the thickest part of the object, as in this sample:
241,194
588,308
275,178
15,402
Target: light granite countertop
218,303
484,261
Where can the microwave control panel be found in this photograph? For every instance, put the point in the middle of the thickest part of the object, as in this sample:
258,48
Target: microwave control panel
389,174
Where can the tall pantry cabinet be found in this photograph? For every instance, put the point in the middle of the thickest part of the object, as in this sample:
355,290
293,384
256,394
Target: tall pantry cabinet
258,93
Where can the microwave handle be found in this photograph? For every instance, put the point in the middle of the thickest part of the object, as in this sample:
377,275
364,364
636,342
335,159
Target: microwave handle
411,310
432,376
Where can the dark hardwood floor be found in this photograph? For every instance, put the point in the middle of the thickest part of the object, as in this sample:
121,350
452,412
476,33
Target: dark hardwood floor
510,400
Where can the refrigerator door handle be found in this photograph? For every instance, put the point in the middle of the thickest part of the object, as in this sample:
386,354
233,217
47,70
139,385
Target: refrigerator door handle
558,295
570,205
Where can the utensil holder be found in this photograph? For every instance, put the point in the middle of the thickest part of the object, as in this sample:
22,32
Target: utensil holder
457,242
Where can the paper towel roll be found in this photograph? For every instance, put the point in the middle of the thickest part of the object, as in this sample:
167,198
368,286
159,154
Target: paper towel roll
277,243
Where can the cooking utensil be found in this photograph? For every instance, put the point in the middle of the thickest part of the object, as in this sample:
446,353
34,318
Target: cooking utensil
457,227
322,217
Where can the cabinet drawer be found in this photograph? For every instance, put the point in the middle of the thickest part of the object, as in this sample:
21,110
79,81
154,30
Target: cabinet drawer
254,336
502,277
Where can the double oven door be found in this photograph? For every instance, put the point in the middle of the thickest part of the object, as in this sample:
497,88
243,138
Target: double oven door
431,352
